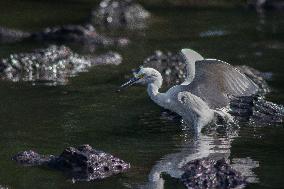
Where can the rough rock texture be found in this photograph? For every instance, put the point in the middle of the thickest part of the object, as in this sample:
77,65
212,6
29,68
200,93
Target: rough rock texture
80,163
170,65
122,13
266,4
84,35
256,109
207,173
53,64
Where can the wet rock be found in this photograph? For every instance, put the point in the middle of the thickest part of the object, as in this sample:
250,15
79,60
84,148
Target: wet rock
266,4
79,163
256,109
53,64
86,35
170,65
83,35
120,13
208,173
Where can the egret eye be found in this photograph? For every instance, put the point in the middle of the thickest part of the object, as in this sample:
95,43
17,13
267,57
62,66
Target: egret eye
141,75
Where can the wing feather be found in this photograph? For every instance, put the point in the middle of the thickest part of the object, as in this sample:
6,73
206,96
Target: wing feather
216,80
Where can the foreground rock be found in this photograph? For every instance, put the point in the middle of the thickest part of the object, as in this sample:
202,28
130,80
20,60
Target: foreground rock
84,35
80,163
209,173
53,64
120,13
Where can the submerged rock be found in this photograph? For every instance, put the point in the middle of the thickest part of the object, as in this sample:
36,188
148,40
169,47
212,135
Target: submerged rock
120,13
84,35
80,163
207,173
256,109
53,64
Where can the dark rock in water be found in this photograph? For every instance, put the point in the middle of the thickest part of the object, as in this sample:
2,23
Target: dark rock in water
120,13
86,35
209,173
53,64
256,109
83,35
170,65
80,163
266,4
11,35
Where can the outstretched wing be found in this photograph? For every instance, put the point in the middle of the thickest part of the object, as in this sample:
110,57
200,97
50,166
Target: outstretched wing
190,57
215,80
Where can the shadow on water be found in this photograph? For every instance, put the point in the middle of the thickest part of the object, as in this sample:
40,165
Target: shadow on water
47,119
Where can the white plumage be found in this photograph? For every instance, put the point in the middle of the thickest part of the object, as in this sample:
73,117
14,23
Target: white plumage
207,88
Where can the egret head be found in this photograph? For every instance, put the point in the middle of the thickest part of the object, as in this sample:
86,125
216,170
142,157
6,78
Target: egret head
144,76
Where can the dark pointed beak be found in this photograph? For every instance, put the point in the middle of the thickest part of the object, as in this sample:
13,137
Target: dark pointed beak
128,83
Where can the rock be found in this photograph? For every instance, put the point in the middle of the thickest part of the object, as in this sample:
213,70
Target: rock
80,163
83,35
120,13
170,65
53,64
207,173
256,109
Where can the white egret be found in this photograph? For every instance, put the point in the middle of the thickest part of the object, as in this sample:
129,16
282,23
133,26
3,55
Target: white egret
207,88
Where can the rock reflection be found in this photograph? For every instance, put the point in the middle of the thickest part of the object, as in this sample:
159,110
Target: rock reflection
214,144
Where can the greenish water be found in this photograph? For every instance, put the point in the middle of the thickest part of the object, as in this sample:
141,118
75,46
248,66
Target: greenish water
128,125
